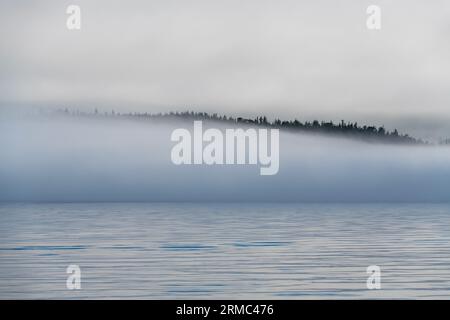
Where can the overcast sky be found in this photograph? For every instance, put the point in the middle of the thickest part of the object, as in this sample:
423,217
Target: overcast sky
278,57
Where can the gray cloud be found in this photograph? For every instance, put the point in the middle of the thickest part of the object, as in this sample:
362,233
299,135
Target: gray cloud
282,58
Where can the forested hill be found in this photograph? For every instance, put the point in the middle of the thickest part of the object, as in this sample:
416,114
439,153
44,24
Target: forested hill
343,129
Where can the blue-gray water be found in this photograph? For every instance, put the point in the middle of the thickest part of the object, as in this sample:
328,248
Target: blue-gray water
280,251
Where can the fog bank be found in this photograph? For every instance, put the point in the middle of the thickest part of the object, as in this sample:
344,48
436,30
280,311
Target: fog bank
76,159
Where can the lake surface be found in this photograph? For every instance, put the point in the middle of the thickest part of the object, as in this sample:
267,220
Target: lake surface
230,251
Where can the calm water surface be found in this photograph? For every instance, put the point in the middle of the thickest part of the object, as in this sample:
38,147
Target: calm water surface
213,251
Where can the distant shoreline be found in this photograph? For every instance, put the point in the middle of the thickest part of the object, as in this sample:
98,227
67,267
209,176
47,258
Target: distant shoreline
344,129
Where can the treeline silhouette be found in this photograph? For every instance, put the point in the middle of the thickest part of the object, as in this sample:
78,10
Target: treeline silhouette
343,128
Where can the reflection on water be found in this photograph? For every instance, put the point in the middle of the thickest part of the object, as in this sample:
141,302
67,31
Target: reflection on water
260,251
